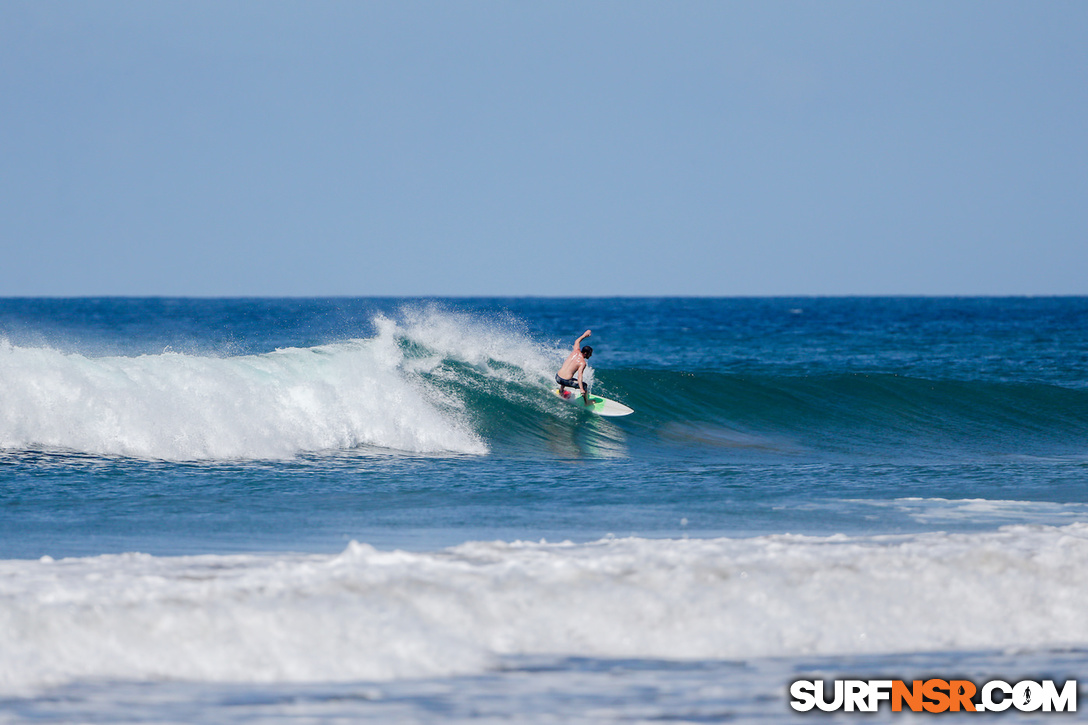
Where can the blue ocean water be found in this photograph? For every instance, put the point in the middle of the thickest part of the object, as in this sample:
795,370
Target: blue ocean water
352,509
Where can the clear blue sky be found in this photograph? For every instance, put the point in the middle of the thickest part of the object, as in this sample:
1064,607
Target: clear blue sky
547,148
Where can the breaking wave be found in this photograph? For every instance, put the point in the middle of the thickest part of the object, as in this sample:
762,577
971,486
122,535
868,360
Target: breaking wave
440,383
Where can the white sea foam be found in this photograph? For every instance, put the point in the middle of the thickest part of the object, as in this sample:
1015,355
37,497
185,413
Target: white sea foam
379,615
941,511
182,406
385,392
496,346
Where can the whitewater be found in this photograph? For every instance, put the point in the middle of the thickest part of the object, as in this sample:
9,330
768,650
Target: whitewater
181,406
374,510
457,611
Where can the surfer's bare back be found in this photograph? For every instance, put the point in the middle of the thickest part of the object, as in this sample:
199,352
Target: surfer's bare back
575,363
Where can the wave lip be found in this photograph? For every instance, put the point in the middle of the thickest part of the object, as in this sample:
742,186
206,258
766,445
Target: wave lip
366,614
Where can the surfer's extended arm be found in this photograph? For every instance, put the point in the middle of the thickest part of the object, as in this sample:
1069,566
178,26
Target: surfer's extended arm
582,382
578,342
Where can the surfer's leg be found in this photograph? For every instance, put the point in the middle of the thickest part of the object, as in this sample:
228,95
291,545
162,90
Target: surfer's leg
564,384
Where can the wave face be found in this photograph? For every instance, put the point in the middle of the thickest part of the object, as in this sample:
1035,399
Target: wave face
431,381
372,615
861,414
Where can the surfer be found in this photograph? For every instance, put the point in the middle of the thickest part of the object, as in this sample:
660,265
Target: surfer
575,364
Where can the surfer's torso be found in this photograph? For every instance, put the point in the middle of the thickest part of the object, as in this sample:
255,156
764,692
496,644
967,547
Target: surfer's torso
574,362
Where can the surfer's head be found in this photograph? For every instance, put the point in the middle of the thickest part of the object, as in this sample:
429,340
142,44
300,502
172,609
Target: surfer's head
587,351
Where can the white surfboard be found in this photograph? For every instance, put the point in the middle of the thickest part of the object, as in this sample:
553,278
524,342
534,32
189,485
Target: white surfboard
596,404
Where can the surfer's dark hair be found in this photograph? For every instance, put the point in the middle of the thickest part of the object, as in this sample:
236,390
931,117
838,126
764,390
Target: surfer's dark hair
587,351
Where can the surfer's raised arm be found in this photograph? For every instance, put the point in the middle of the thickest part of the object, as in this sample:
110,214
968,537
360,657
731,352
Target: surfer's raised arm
578,342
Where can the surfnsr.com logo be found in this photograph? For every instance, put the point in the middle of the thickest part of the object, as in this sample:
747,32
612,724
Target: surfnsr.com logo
934,695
